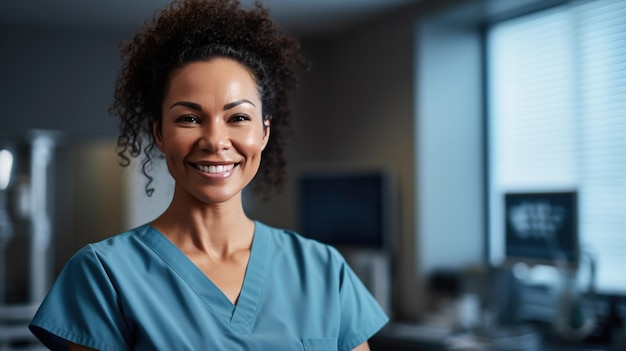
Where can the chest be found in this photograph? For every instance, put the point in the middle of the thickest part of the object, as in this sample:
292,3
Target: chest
227,275
183,309
176,302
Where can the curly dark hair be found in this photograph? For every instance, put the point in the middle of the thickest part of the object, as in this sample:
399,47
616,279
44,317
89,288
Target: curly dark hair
186,31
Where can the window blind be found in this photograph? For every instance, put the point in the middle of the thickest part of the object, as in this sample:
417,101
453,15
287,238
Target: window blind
557,121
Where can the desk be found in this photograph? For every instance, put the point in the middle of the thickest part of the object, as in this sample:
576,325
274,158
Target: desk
407,337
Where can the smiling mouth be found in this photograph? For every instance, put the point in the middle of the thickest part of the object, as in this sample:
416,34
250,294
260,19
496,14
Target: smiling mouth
214,169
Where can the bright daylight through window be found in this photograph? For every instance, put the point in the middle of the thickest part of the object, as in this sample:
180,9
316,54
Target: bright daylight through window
557,122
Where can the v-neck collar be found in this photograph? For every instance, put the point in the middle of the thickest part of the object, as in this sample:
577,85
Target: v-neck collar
239,317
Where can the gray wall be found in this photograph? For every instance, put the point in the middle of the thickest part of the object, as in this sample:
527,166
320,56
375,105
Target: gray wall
58,79
449,134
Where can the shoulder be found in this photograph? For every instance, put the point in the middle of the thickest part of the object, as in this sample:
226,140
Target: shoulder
288,238
115,249
289,242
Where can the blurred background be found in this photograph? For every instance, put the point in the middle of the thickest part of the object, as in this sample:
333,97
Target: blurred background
468,157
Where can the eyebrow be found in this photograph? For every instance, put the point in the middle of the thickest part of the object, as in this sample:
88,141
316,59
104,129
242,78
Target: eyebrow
197,107
230,105
191,105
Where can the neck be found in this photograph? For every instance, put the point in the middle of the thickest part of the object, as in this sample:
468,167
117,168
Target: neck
219,230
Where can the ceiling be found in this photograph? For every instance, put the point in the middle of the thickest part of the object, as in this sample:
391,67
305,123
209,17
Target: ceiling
301,16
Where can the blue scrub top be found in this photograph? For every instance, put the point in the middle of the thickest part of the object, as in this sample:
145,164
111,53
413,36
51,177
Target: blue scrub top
137,290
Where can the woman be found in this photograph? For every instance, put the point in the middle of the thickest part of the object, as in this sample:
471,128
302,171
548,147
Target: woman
207,84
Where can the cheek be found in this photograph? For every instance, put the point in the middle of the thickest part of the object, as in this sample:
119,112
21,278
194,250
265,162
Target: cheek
173,147
254,142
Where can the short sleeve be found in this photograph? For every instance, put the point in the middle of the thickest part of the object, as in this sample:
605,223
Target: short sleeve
361,315
82,307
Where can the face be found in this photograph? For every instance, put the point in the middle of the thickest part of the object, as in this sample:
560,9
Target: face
212,132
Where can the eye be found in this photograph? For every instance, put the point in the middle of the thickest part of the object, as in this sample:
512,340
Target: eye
188,119
239,118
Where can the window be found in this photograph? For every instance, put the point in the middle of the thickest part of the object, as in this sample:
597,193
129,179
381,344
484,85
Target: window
557,122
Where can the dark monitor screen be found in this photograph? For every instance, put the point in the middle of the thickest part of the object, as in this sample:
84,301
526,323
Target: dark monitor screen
542,227
344,209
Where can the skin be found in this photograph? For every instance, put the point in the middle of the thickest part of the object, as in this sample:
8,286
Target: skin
212,118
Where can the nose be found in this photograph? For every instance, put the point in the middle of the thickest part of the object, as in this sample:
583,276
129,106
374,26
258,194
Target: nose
215,137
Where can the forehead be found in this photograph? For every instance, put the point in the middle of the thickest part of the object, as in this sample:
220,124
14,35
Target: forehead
219,77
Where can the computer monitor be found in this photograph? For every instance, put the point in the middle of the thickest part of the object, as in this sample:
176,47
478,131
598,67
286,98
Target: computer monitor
542,228
348,209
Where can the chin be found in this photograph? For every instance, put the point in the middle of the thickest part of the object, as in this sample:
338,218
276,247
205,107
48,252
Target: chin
218,197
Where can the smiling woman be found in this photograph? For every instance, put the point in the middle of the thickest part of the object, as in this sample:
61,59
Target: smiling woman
207,86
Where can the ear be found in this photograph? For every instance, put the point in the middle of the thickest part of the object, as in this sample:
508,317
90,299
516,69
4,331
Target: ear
157,134
266,130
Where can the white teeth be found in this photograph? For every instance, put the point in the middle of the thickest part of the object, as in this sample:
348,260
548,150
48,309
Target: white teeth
215,169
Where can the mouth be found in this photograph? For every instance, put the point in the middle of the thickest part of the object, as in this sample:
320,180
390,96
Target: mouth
214,169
